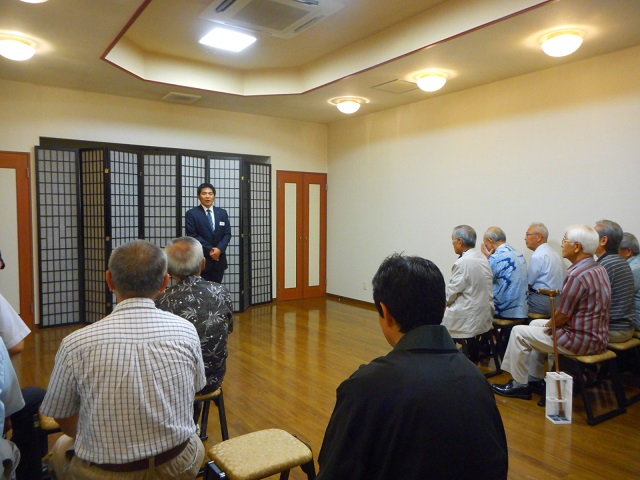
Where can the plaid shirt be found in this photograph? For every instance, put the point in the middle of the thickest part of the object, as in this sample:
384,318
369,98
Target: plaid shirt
585,298
132,377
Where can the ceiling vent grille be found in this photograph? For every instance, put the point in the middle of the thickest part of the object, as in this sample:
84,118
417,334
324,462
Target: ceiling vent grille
183,98
280,18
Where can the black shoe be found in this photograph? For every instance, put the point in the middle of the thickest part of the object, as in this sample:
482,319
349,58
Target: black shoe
510,390
538,386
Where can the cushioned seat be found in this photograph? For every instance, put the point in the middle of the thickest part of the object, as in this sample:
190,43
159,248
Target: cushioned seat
259,455
47,424
607,359
469,345
206,399
502,330
630,346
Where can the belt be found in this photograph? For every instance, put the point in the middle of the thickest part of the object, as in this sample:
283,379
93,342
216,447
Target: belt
144,463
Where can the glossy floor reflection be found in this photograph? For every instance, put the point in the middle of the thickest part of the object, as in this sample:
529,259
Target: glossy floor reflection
286,360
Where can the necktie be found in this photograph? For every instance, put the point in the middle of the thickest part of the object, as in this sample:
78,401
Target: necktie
210,219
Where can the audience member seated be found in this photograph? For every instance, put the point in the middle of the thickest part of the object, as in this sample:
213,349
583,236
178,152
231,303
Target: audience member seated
207,305
622,312
10,402
581,318
630,251
32,442
124,386
423,410
509,275
546,270
470,307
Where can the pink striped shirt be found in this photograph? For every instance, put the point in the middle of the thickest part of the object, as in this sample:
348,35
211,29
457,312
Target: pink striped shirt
585,297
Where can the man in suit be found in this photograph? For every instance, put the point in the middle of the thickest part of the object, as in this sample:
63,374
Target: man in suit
210,226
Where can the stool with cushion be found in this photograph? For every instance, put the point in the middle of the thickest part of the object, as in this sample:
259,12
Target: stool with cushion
502,330
606,359
474,343
47,424
630,346
218,399
259,455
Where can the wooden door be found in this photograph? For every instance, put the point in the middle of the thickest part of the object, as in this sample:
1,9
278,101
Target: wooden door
16,280
301,235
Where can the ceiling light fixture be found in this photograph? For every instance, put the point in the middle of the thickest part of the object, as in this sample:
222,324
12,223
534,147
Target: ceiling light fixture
226,39
431,82
561,44
348,105
16,48
33,1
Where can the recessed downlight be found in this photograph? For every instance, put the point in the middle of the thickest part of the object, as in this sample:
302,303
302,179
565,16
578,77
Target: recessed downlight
226,39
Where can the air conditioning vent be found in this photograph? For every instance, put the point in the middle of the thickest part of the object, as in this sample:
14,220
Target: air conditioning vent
280,18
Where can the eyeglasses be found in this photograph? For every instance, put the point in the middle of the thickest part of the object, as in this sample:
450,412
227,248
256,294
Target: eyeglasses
529,234
566,240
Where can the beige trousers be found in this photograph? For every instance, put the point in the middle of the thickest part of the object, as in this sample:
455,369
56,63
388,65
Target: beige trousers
184,467
527,351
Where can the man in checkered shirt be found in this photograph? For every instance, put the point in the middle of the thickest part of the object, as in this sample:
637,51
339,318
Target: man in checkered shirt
124,386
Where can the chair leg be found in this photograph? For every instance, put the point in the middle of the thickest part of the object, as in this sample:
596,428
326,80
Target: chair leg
310,469
284,475
495,354
205,420
212,472
222,414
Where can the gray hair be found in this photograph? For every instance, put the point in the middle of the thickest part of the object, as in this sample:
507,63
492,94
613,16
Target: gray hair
185,256
613,232
630,241
585,235
540,229
496,234
138,269
466,233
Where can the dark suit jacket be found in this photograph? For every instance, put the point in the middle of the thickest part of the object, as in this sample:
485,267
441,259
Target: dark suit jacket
197,226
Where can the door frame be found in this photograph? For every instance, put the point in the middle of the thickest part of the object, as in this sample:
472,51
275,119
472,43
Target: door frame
302,289
19,161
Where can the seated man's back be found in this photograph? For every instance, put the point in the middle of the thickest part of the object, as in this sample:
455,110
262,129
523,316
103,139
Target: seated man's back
124,386
207,305
423,411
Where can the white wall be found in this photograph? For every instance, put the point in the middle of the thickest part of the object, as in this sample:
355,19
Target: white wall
561,146
30,111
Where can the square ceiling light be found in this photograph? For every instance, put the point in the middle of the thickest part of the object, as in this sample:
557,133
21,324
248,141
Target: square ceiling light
226,39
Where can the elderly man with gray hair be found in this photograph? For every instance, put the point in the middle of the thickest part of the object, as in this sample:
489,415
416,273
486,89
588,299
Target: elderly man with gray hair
470,289
546,270
622,312
509,275
207,305
581,318
630,251
124,386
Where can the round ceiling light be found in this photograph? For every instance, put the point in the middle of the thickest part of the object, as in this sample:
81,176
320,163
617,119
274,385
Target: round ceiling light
348,105
431,82
16,48
561,44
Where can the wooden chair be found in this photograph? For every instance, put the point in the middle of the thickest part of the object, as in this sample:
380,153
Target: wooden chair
606,359
630,346
206,399
468,344
259,455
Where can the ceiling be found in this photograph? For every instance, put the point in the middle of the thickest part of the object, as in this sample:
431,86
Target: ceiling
147,49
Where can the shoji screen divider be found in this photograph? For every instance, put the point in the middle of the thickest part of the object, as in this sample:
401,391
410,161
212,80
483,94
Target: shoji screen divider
94,199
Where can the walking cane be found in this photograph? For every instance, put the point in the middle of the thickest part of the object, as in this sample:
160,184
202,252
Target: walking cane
552,294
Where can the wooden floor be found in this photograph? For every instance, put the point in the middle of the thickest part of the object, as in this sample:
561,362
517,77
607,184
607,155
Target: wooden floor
286,360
